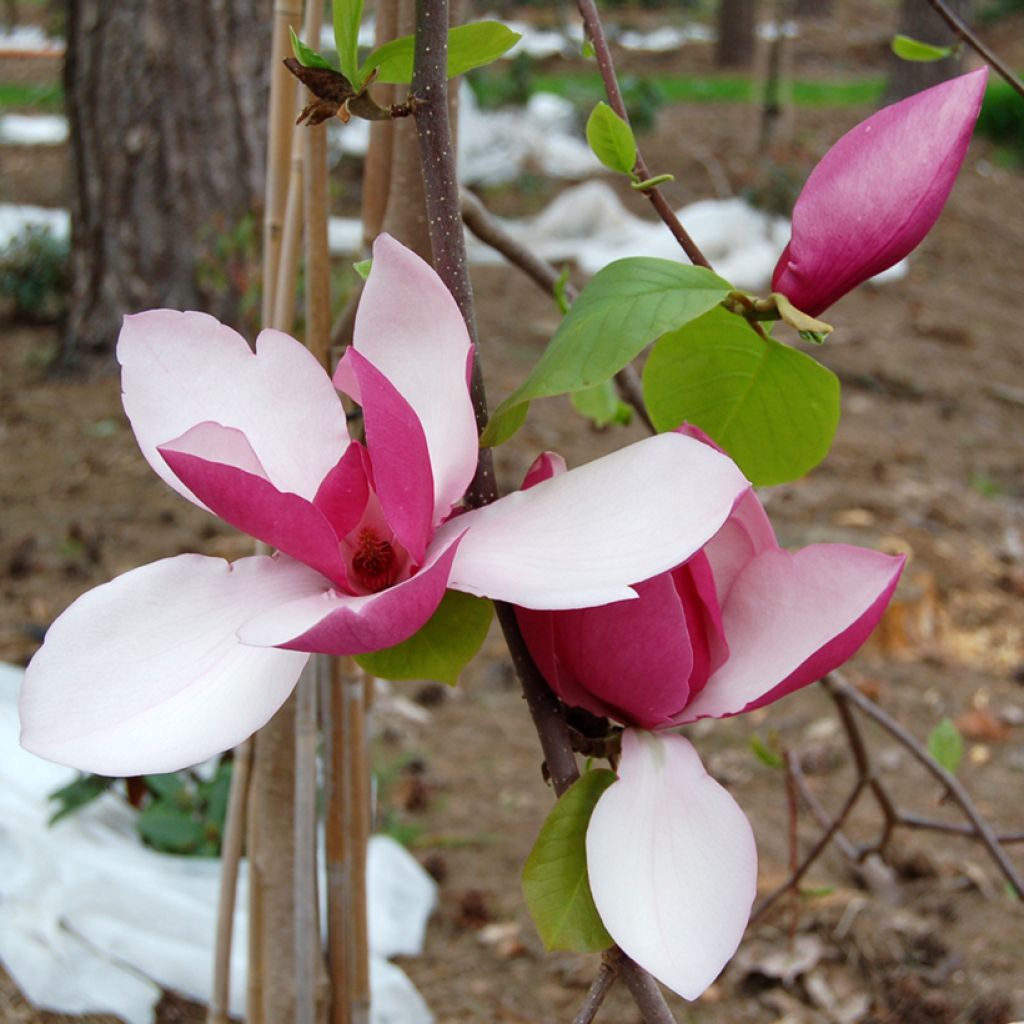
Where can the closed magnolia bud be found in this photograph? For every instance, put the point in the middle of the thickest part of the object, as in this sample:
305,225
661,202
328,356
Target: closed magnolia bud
877,192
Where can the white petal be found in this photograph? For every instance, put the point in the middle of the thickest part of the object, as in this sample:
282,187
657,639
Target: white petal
144,674
580,538
672,863
182,369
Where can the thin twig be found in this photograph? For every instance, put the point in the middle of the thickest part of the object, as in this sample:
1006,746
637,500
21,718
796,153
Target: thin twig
599,989
837,685
595,30
230,856
478,219
433,129
964,32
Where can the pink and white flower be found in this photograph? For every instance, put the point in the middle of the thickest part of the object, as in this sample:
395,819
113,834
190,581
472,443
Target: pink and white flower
877,192
741,623
173,662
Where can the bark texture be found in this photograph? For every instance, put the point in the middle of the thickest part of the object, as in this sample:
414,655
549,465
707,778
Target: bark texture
919,21
166,107
734,47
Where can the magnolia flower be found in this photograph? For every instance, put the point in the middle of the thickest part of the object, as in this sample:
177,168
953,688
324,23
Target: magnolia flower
877,192
173,662
670,855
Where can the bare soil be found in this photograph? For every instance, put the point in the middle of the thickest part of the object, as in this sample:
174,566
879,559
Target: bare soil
928,461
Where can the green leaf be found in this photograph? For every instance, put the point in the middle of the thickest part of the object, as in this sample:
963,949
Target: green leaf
559,290
469,46
307,56
171,830
362,268
624,307
913,49
611,139
764,753
169,787
772,408
215,794
503,424
77,794
442,648
347,16
601,405
946,745
555,881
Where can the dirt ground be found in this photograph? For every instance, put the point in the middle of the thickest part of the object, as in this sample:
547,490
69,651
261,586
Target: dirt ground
928,461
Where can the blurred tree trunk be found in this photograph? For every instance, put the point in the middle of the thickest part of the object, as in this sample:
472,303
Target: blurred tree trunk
734,47
919,21
814,8
166,108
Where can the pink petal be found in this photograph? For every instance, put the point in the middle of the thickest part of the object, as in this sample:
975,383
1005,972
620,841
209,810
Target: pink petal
398,453
672,863
343,494
877,192
145,674
579,539
790,618
182,369
324,621
254,505
410,328
746,533
633,656
544,467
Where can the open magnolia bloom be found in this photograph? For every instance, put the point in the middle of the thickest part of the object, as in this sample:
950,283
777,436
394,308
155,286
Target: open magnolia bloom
173,662
741,623
877,192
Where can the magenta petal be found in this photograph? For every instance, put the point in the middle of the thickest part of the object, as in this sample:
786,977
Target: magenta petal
145,674
398,453
877,192
344,492
633,656
790,618
182,369
672,863
410,328
254,505
544,467
324,621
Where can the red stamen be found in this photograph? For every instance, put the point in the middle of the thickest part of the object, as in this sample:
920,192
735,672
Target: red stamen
373,562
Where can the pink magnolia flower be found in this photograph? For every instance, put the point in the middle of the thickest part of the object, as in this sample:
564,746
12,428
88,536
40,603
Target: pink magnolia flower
670,855
877,192
170,663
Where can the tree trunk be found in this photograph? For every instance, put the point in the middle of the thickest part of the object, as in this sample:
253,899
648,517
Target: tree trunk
814,8
166,108
919,21
735,42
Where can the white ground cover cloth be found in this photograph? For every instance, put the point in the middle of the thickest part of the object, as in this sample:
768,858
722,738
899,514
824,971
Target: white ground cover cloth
33,129
95,922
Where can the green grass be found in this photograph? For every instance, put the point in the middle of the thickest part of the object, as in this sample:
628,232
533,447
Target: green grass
37,98
586,87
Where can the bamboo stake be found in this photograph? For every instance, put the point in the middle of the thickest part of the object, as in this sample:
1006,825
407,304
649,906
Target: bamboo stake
291,238
308,959
273,750
230,856
283,89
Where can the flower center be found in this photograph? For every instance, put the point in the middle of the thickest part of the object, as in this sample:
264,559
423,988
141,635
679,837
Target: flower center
374,561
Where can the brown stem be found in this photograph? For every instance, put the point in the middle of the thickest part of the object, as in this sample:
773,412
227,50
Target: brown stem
595,30
437,156
610,964
964,32
478,219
